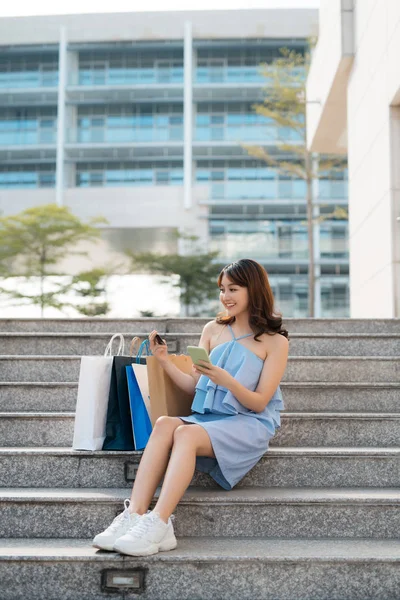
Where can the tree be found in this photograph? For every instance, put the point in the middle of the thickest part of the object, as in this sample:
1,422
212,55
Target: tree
197,272
284,107
34,241
92,284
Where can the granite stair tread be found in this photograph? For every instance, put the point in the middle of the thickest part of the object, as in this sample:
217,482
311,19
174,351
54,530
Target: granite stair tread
198,495
205,549
284,450
284,414
182,324
127,334
284,384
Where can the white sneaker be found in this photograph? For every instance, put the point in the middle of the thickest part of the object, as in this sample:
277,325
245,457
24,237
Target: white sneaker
121,524
149,536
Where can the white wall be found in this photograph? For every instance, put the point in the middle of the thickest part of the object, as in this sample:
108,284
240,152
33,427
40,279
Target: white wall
117,27
137,213
155,206
372,95
327,79
372,88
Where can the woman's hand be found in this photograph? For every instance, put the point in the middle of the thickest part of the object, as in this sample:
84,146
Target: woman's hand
160,351
216,374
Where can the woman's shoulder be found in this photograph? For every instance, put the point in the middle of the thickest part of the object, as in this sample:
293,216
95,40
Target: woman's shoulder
274,341
210,327
212,331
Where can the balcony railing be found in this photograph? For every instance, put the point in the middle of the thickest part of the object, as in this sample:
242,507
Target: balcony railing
134,76
235,74
27,138
28,79
106,136
258,190
245,133
126,76
267,246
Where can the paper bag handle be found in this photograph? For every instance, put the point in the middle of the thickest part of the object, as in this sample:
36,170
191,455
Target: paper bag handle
121,347
134,341
145,345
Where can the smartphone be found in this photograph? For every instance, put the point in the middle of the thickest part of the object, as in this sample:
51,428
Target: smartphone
197,353
158,339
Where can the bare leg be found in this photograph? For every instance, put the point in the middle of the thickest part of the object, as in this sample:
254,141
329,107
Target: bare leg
153,463
189,441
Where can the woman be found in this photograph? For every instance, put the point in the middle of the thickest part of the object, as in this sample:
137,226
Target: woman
236,407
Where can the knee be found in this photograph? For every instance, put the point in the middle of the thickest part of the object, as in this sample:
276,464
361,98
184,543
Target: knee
165,425
184,435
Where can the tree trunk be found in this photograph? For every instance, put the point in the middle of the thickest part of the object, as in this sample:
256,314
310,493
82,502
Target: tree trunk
42,275
310,231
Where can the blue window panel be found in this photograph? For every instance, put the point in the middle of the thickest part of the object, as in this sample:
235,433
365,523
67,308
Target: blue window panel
202,120
217,133
176,120
161,120
202,134
203,175
234,174
218,191
176,134
176,176
299,188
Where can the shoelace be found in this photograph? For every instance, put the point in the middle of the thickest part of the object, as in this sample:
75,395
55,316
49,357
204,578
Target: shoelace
122,517
144,524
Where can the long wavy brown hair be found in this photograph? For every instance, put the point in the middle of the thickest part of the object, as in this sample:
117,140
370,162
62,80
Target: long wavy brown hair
262,317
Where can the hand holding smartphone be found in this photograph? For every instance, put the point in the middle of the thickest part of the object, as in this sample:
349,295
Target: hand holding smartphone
158,339
197,353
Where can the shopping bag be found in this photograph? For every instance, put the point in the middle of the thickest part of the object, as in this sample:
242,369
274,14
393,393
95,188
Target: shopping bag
92,399
141,423
140,369
119,434
166,398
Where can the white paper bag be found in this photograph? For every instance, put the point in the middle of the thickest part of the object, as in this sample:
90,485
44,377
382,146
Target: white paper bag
92,400
143,383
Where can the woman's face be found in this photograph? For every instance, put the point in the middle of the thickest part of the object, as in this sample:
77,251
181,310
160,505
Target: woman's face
234,297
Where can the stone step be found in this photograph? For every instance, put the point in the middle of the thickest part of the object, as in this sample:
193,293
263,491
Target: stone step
279,467
297,429
352,369
310,344
206,568
193,325
246,512
298,397
38,396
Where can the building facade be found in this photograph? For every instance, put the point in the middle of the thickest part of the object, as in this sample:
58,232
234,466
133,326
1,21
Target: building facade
142,117
354,108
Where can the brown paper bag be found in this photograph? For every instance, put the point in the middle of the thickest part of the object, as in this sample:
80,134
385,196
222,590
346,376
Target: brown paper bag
166,398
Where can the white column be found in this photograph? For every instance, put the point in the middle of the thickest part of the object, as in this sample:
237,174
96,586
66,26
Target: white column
395,194
62,75
187,115
317,238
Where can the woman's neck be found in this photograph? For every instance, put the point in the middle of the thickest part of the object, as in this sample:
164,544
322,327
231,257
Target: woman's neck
241,324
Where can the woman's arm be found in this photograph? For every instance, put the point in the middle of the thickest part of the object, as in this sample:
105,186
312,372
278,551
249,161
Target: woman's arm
271,375
183,380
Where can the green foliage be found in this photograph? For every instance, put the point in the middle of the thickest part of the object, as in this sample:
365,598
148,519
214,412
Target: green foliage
92,284
197,273
147,313
284,105
34,241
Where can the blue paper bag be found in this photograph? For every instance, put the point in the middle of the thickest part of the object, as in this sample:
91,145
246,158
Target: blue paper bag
141,423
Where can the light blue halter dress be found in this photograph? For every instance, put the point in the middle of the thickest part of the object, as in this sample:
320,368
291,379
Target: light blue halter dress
239,436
